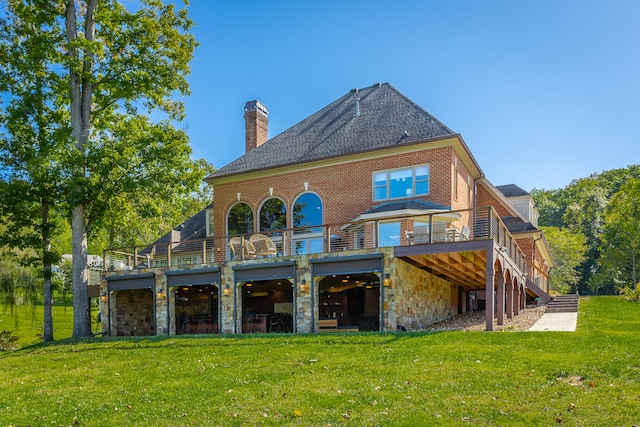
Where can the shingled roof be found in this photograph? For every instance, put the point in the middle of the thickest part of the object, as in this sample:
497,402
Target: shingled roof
382,117
408,205
511,190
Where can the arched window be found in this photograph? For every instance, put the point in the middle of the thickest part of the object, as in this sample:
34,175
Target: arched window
307,211
273,215
240,219
307,217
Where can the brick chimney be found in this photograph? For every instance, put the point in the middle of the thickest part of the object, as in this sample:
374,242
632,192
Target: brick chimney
256,124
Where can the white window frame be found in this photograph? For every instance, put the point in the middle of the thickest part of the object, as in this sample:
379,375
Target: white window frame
388,173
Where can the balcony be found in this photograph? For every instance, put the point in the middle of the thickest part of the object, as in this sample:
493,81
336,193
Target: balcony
444,229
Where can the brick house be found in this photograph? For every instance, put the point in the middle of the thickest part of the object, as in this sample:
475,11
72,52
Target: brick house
376,216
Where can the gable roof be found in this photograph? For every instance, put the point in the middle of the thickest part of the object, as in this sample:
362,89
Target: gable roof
386,118
511,190
194,228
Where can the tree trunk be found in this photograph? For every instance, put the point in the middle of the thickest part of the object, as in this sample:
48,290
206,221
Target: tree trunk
81,312
633,260
46,257
81,92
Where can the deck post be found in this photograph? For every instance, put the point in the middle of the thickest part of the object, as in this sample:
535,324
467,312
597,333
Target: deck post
510,300
501,304
490,290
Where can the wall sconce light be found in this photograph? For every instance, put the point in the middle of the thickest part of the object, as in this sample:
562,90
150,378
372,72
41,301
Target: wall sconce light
387,280
103,297
303,286
226,291
160,294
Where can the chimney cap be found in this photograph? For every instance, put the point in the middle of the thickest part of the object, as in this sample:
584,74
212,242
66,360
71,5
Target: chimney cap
256,106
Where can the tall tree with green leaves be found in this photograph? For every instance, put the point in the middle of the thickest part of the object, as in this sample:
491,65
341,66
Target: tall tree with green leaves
621,237
32,130
115,66
123,65
568,251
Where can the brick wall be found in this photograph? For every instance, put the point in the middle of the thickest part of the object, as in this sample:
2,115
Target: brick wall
485,198
345,189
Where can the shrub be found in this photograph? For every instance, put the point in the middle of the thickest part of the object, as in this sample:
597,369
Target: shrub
631,294
7,338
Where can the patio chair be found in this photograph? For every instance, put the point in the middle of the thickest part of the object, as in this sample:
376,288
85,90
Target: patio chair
263,246
242,248
420,234
465,233
439,232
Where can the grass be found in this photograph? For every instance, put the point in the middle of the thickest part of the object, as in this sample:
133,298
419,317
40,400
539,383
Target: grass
584,378
27,322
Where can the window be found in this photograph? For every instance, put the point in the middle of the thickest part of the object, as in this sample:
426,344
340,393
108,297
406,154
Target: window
401,183
273,215
209,222
240,219
307,216
388,234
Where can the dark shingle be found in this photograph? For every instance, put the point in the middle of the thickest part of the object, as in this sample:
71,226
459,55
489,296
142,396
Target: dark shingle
511,190
386,118
407,204
515,225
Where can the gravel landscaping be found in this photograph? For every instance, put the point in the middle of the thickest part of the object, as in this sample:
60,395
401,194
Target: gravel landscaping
475,321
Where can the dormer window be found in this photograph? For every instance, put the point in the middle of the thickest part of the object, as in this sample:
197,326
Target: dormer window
401,183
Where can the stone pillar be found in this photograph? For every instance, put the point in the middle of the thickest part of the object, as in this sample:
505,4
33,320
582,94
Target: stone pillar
162,306
227,301
303,302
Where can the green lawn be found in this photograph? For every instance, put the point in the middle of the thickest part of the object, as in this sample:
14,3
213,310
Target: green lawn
27,322
585,378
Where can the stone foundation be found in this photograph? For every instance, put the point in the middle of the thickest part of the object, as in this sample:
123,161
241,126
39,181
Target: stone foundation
413,298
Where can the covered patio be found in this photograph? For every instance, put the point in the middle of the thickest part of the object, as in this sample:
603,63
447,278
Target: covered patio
480,269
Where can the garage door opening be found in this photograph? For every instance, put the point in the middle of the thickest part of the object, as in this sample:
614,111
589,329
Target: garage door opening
267,306
349,303
196,309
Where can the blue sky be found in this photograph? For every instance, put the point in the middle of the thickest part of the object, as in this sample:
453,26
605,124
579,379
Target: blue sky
543,91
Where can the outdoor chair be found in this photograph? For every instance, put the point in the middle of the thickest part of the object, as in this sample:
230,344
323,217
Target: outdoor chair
242,248
465,233
263,245
439,232
420,234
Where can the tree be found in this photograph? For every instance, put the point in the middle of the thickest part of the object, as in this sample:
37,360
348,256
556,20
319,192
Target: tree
119,61
109,69
621,235
568,251
142,219
31,131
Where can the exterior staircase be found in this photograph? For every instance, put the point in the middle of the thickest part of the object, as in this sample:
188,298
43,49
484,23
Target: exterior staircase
563,304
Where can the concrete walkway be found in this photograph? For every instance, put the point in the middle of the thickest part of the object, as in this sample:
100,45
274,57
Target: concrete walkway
559,322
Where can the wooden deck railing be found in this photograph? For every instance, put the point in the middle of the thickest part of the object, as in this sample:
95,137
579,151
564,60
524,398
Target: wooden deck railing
461,225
